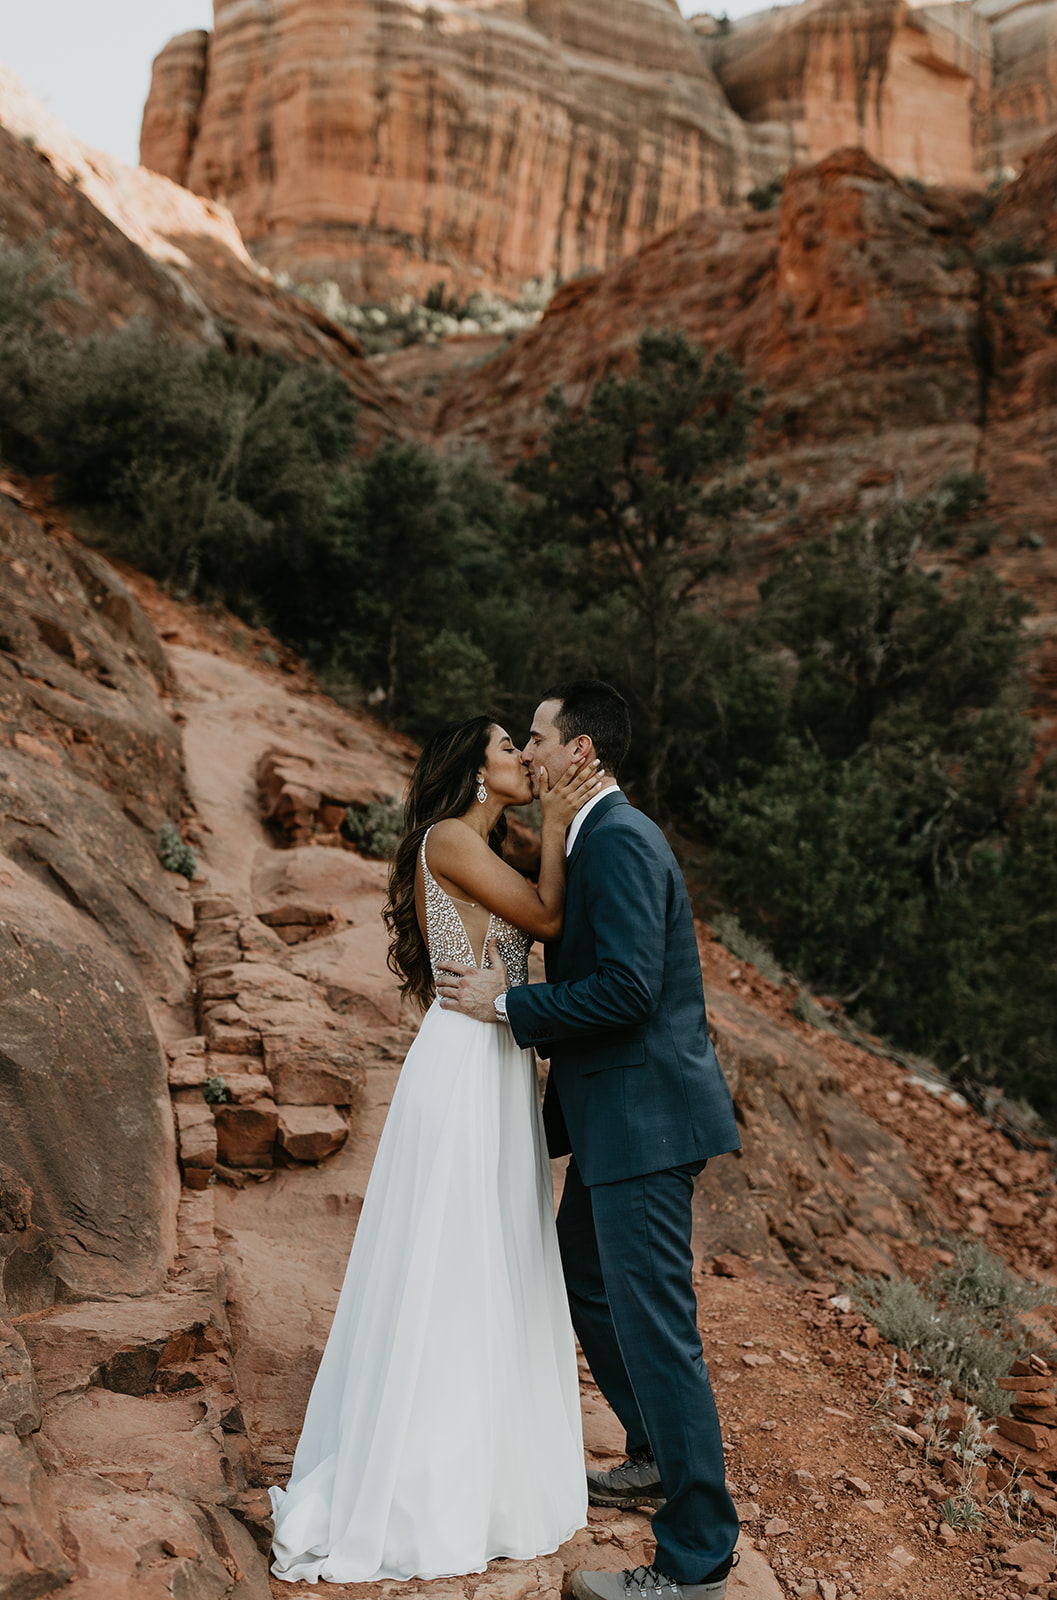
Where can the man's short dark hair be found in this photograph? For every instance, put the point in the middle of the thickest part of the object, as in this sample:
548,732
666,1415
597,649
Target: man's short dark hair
590,706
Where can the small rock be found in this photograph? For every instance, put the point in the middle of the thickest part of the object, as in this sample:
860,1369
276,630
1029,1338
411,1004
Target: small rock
776,1527
197,1136
878,1507
858,1484
946,1534
1028,1434
758,1361
732,1266
195,1046
178,1551
246,1133
748,1511
768,1427
1033,1556
900,1557
800,1478
209,907
311,1133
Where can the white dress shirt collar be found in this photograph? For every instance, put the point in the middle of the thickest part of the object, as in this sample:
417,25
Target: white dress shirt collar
578,821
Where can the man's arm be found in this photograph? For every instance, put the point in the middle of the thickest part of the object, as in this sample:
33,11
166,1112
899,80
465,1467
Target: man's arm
626,893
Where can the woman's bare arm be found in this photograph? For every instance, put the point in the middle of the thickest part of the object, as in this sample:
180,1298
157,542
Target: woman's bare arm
456,853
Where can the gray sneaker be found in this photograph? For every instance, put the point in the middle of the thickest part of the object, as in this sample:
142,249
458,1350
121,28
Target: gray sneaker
636,1482
646,1583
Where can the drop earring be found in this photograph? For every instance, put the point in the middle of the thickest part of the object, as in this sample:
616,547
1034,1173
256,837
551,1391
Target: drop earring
482,792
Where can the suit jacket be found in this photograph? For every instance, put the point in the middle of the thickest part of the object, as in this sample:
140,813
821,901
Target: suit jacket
634,1083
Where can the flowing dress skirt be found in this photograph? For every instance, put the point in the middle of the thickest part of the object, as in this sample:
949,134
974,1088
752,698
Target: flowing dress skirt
443,1429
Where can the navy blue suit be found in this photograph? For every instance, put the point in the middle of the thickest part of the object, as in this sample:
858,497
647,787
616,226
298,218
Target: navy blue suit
635,1093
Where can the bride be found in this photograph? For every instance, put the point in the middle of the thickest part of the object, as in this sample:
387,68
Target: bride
443,1428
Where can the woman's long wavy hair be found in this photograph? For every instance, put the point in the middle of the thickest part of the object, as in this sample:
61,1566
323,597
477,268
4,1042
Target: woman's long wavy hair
443,784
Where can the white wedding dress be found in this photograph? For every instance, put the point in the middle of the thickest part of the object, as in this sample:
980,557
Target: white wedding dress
443,1429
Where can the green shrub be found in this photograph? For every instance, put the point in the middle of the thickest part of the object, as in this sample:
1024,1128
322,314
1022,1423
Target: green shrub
732,936
31,280
765,196
1012,251
216,1091
174,855
375,829
960,1325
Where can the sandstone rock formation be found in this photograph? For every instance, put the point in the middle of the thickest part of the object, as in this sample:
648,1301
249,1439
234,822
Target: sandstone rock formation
909,83
1024,93
138,246
89,920
388,146
381,143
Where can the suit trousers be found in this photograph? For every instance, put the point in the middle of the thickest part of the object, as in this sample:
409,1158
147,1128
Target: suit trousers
628,1264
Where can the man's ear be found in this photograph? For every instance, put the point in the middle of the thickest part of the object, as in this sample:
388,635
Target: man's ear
585,746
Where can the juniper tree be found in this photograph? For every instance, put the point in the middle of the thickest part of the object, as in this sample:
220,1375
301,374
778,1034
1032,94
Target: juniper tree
647,484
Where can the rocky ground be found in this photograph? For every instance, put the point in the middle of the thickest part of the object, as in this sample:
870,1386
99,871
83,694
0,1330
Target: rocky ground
146,1404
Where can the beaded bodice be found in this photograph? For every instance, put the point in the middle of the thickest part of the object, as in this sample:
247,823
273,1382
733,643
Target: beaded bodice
448,940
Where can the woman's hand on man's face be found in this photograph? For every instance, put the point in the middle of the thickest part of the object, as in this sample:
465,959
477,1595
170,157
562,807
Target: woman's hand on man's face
580,782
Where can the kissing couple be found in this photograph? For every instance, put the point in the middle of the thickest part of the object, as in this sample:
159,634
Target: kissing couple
443,1430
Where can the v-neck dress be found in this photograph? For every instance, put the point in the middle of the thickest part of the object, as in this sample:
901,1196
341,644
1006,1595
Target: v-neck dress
443,1429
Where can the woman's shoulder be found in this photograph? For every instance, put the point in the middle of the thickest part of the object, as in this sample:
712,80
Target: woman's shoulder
451,835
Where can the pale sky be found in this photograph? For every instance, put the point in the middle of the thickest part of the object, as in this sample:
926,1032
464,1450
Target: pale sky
89,60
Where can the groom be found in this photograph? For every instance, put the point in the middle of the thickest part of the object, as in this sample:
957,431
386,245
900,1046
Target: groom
635,1093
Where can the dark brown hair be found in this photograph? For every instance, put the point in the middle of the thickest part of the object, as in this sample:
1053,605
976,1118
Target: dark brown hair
442,785
590,706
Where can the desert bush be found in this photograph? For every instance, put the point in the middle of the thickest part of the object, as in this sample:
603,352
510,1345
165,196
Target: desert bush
1012,251
960,1325
174,854
732,936
375,829
31,280
765,196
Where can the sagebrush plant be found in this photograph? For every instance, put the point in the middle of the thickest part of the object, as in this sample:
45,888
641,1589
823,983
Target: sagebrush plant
375,829
960,1325
732,936
216,1091
174,854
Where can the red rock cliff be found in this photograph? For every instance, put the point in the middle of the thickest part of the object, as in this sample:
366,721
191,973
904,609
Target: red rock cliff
389,144
909,83
382,142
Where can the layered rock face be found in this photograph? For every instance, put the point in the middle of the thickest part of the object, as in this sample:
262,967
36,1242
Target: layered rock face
390,145
1025,75
910,84
90,766
385,142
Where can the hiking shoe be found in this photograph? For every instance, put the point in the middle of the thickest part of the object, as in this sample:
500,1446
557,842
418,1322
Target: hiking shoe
646,1583
636,1482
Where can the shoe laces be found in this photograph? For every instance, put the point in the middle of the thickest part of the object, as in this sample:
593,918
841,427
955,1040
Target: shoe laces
645,1579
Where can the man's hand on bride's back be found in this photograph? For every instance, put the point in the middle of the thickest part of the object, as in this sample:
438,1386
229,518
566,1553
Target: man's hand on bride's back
560,801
